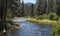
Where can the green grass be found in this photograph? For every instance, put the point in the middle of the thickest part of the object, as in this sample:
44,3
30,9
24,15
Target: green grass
45,21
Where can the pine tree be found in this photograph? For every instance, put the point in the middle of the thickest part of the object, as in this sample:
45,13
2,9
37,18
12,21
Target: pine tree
22,9
32,10
50,6
41,6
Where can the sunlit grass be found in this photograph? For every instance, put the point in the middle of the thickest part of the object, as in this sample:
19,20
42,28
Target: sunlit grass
45,21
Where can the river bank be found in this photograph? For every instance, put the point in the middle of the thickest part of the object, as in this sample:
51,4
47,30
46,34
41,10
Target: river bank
46,21
56,25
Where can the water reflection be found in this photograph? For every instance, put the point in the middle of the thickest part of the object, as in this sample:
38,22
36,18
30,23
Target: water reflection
32,29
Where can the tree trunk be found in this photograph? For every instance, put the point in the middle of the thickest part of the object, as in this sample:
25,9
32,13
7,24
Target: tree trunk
5,11
2,9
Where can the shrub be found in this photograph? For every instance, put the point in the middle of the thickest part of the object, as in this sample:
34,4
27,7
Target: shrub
45,16
41,17
53,16
36,17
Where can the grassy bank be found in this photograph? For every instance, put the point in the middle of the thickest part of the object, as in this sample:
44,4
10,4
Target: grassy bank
56,25
45,21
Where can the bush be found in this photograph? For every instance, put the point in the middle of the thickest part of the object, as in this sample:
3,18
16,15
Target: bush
41,17
46,16
53,16
35,16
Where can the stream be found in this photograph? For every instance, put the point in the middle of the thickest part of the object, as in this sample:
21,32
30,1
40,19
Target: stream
31,29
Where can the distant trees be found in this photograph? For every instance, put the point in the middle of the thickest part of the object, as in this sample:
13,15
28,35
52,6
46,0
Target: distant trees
50,5
47,6
41,6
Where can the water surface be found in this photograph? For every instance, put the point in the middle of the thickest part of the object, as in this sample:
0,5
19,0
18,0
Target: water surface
32,29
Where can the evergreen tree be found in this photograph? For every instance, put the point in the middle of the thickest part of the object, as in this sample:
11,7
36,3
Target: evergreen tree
32,10
41,6
22,9
51,6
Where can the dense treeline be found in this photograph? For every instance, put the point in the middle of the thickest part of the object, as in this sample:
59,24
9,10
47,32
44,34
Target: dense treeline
41,7
16,8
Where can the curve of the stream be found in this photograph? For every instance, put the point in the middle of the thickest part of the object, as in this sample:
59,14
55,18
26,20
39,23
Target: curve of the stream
32,29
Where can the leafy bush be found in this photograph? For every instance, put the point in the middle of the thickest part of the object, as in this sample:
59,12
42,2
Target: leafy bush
35,16
46,16
41,17
53,16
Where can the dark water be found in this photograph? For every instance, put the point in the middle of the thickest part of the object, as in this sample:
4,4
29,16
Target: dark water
32,29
